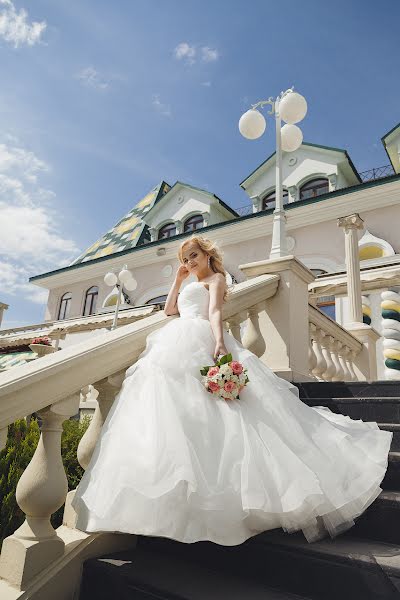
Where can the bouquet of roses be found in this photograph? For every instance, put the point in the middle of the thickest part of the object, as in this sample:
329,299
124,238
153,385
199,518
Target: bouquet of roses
226,378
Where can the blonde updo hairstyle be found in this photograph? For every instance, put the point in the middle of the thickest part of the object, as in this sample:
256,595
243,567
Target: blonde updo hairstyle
209,248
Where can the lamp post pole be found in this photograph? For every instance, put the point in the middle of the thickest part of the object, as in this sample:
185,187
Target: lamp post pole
252,125
124,277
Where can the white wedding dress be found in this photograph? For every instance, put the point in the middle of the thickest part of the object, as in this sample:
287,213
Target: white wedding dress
174,461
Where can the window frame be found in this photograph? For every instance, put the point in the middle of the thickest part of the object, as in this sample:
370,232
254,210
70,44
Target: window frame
197,216
307,186
93,301
166,227
66,304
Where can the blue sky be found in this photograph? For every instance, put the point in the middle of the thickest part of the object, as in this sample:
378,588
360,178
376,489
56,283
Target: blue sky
99,101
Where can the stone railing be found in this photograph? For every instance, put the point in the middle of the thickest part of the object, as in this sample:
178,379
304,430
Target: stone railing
333,351
38,561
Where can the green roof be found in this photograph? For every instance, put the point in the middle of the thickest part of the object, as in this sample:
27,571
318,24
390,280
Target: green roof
126,234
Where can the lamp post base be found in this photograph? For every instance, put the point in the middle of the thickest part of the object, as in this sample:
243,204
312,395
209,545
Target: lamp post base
279,240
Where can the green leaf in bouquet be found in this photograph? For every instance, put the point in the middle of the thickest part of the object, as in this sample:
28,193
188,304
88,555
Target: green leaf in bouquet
204,370
225,359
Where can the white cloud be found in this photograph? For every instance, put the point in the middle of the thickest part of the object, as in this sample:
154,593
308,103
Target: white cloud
184,51
163,109
16,28
92,78
30,241
209,54
189,53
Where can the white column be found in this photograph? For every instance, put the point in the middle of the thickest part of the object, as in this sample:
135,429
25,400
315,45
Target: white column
179,226
3,307
350,224
279,243
206,218
153,233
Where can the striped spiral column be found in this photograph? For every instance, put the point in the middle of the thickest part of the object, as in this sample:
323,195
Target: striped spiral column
390,306
366,310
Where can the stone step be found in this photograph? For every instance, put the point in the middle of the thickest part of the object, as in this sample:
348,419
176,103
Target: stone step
391,481
395,428
380,410
347,567
352,389
381,521
151,574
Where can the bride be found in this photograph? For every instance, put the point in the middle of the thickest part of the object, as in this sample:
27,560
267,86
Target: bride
173,460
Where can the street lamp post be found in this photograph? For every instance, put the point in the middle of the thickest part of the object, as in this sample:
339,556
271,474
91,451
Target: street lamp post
292,108
124,279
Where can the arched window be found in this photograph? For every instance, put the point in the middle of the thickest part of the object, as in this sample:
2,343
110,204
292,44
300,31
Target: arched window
193,223
90,301
157,300
269,201
65,305
167,231
314,188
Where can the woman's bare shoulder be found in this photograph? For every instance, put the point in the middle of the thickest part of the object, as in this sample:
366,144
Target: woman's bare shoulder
217,278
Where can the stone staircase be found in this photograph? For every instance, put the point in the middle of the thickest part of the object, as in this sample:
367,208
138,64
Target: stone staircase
361,564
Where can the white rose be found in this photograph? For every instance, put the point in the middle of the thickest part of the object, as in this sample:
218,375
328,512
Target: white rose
225,369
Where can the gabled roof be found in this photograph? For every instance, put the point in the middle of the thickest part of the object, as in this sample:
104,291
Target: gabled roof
391,151
179,184
331,148
127,232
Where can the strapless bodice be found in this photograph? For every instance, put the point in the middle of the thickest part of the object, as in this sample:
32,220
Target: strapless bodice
193,301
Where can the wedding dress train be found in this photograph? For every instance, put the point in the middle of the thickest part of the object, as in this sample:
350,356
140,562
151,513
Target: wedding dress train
172,460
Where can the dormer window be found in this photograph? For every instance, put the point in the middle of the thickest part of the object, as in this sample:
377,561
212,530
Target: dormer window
193,223
65,305
90,301
167,231
314,188
270,200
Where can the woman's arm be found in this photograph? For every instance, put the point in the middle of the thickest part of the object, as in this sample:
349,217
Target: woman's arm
171,307
217,290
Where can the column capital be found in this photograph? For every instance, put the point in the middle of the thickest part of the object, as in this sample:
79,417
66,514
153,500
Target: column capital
353,221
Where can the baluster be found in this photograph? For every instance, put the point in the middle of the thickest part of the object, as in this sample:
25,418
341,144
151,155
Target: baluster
252,337
350,361
321,362
234,326
106,390
347,376
339,374
330,370
312,358
41,491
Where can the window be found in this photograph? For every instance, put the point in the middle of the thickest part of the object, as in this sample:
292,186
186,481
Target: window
157,300
167,231
327,305
314,188
193,223
65,305
269,201
91,301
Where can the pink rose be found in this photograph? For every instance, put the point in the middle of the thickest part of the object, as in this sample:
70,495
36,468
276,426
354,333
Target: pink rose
229,386
236,367
212,371
213,386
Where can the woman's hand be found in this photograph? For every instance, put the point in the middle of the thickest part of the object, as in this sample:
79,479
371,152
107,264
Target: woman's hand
220,349
181,273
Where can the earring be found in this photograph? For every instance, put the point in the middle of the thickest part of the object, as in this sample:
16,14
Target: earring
208,261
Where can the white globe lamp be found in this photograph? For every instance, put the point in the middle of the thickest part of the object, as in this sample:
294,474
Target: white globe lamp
252,124
131,284
124,276
110,279
292,137
293,107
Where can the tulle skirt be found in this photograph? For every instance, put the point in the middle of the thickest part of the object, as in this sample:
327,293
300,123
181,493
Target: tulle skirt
172,460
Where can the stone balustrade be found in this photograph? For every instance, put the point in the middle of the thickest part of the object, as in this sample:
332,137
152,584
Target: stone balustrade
332,350
36,557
